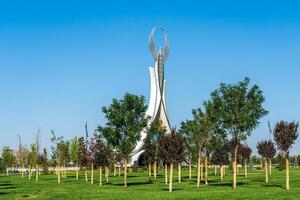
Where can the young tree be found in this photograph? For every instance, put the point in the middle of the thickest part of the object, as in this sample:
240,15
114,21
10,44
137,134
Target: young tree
245,155
126,118
8,158
44,161
187,133
239,110
200,130
103,155
285,135
58,153
21,158
82,155
91,154
150,147
172,149
74,153
37,161
149,153
33,155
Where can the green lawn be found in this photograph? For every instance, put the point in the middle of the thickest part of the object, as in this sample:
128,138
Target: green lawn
13,187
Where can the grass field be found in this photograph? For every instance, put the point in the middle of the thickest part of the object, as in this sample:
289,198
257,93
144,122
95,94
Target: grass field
253,187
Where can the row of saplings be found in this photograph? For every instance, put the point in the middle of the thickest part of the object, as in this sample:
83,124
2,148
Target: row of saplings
171,149
227,118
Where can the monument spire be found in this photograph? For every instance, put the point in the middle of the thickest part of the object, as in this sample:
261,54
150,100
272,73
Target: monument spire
157,108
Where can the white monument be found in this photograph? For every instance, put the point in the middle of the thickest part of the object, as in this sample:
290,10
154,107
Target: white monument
157,108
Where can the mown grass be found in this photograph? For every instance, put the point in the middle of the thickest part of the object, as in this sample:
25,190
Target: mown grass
253,187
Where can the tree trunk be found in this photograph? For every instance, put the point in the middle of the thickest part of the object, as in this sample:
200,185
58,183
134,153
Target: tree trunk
179,172
266,170
246,172
22,171
215,170
100,175
115,170
37,173
201,167
92,174
270,166
125,173
29,174
190,170
106,174
287,175
206,170
166,173
76,172
171,177
119,170
234,164
58,175
149,171
198,172
221,172
86,176
154,169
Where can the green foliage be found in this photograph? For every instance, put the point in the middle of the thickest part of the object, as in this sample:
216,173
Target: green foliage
44,161
32,155
239,107
82,152
8,159
126,118
74,150
60,150
150,147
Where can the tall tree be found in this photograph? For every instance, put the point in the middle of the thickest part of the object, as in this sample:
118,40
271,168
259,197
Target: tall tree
126,118
172,149
240,110
285,135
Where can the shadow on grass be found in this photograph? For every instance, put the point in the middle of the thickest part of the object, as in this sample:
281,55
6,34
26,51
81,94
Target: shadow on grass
8,187
221,184
5,184
3,193
274,185
132,183
174,189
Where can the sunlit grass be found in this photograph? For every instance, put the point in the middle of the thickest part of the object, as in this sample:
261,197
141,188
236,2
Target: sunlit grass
253,187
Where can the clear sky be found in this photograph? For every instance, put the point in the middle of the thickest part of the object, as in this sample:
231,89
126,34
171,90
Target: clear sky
61,61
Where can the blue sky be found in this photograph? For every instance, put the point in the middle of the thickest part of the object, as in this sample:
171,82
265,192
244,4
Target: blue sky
61,61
